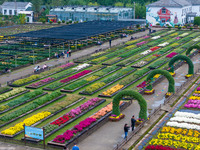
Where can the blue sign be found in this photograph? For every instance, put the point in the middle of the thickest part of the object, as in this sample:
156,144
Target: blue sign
32,132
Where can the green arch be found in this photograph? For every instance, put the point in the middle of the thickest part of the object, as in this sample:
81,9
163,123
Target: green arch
134,94
181,57
164,73
191,48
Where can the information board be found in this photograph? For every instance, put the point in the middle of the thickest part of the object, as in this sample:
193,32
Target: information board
32,132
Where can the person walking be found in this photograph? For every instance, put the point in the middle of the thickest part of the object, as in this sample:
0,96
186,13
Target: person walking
133,122
75,147
70,52
110,43
67,53
126,128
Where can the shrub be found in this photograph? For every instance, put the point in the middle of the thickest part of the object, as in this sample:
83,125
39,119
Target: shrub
63,21
191,28
157,24
50,22
179,27
59,22
197,21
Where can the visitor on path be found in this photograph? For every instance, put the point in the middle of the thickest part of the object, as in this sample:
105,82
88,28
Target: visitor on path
132,38
126,128
62,54
133,122
45,66
75,147
67,53
110,43
37,68
55,55
70,52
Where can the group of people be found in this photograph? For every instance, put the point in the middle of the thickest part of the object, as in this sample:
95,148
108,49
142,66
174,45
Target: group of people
62,54
126,127
37,68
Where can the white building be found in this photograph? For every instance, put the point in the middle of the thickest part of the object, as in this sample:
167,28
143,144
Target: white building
29,16
13,8
172,12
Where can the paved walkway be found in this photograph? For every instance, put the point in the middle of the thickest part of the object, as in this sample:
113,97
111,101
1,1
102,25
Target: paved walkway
28,70
112,132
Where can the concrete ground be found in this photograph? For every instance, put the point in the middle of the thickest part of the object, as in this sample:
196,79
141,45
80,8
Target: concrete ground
106,137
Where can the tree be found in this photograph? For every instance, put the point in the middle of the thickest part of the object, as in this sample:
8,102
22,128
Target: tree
22,18
140,11
93,4
197,21
36,8
119,4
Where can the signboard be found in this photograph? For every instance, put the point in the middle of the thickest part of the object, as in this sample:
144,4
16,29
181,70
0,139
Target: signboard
32,132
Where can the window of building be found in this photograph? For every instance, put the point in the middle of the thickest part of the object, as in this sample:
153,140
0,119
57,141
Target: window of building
27,19
15,12
163,20
10,12
163,11
5,12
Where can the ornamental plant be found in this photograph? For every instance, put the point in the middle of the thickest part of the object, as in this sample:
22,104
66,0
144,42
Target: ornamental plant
36,103
76,129
28,122
11,93
20,100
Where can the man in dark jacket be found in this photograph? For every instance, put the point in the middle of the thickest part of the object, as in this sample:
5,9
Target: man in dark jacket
133,122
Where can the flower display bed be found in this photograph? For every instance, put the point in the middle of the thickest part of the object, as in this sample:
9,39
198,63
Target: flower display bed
8,118
127,82
12,94
5,89
70,79
22,82
20,101
103,84
66,89
89,129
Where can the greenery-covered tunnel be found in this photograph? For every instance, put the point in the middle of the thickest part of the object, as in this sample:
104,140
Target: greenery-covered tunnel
164,73
191,48
134,95
182,57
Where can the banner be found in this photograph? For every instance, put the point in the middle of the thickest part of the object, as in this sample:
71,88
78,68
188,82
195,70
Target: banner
32,132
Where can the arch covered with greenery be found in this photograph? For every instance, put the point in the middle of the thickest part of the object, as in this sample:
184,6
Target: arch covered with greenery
164,73
191,48
135,95
181,57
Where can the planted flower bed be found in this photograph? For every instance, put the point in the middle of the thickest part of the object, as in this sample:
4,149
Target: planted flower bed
35,105
12,131
125,83
33,78
72,115
12,94
72,78
5,89
79,84
21,100
89,125
107,81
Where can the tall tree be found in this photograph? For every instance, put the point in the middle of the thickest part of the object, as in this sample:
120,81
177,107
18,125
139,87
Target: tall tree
36,8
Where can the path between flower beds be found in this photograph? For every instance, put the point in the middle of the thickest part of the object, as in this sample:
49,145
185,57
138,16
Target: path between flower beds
108,135
53,62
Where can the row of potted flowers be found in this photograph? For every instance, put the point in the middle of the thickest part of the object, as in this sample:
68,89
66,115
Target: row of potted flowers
34,105
12,93
72,114
28,122
21,82
69,79
98,75
69,134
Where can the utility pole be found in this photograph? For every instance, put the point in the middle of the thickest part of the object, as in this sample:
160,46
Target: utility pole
15,11
134,9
